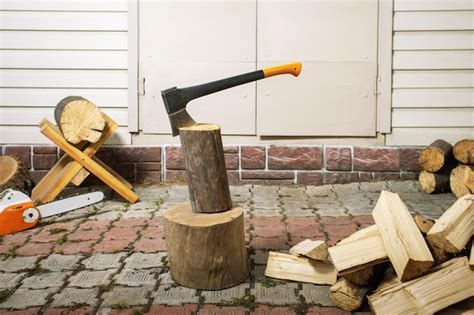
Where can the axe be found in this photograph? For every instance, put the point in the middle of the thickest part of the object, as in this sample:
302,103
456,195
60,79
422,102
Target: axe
176,99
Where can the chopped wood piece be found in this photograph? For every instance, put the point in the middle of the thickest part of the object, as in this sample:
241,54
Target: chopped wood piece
317,250
290,267
423,224
206,250
361,276
454,228
447,284
362,233
389,279
13,175
436,155
347,295
465,307
462,180
205,168
79,120
404,243
464,151
471,257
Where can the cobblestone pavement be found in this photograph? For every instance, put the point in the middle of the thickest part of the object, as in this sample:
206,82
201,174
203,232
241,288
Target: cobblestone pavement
110,258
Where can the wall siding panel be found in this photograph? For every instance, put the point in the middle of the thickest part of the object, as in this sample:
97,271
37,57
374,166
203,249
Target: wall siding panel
51,49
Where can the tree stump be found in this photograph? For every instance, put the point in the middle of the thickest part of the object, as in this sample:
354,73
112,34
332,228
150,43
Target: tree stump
79,120
13,175
462,180
206,250
205,168
436,155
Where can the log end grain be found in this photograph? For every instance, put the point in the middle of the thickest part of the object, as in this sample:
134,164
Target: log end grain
12,174
464,151
435,156
462,180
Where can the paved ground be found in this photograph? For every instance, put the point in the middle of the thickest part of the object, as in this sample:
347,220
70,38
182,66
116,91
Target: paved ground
111,258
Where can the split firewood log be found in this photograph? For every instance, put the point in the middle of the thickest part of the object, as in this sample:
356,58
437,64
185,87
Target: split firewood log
13,175
79,120
436,155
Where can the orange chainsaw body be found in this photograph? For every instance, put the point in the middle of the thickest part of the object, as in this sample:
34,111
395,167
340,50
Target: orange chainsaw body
16,218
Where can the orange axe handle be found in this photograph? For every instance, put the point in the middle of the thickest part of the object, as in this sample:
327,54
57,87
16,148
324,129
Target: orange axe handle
289,68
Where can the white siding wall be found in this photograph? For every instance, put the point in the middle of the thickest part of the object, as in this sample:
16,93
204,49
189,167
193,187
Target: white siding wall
433,77
50,49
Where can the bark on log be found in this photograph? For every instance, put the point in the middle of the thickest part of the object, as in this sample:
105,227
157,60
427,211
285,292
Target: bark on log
13,175
436,155
464,151
206,250
462,180
205,168
79,120
434,182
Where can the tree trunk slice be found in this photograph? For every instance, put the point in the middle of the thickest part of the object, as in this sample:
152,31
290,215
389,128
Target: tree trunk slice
464,151
206,250
436,155
205,168
438,182
79,120
462,180
12,174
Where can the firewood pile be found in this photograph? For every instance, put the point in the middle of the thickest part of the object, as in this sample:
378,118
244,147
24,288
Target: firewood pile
446,168
401,265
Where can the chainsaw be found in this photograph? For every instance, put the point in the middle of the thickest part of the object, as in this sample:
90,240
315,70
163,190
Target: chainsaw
18,213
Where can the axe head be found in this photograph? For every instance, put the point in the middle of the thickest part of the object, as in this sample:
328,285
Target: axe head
175,104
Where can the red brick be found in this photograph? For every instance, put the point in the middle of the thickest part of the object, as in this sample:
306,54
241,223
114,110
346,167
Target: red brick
153,232
22,153
33,249
266,221
365,177
269,243
28,311
81,235
231,149
95,225
315,310
44,161
18,238
231,161
270,175
336,220
376,159
269,231
174,158
137,154
338,159
119,233
307,231
156,221
253,157
364,219
295,239
409,159
148,177
175,176
340,230
186,309
111,246
130,222
387,176
126,170
301,221
151,166
340,177
85,310
315,179
45,149
148,245
294,158
210,309
72,248
36,176
267,310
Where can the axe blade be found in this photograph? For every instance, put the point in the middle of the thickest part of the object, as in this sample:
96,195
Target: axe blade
180,119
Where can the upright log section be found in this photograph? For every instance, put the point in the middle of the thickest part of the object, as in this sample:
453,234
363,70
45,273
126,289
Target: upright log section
206,250
79,120
205,167
436,155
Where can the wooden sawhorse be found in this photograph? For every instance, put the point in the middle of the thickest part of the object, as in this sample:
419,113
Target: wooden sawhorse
74,166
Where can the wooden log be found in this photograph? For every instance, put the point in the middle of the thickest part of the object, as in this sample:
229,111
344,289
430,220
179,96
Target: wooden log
436,155
347,295
438,182
79,120
404,243
205,168
361,277
358,251
290,267
317,250
13,175
465,307
464,151
439,255
206,250
462,180
455,227
423,224
447,284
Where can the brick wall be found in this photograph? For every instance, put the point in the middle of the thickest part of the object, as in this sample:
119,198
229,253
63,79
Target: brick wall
308,165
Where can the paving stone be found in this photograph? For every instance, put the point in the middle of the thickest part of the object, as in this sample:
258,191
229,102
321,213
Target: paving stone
10,280
175,295
126,296
210,309
132,214
292,191
333,213
73,297
259,257
360,210
14,264
112,246
300,213
373,186
316,294
85,310
226,295
258,272
24,298
278,295
186,309
319,191
278,310
265,190
402,186
347,189
45,280
103,261
109,215
267,213
166,278
142,261
135,278
56,262
90,279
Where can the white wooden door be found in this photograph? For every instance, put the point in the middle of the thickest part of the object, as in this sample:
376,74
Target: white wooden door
336,40
184,43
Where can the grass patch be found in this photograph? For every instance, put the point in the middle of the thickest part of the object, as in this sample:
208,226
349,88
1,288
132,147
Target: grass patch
267,283
247,301
57,230
158,202
119,306
61,240
4,294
